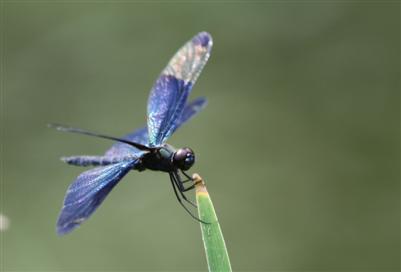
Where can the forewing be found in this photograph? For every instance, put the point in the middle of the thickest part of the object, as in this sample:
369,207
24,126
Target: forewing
141,135
87,192
170,92
190,111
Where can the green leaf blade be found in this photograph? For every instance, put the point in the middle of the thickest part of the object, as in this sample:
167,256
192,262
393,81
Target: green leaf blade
213,240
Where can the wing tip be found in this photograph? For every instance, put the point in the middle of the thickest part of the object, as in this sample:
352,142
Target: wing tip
200,102
61,230
203,39
67,227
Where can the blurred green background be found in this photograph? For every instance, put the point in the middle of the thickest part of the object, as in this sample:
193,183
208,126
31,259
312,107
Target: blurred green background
299,144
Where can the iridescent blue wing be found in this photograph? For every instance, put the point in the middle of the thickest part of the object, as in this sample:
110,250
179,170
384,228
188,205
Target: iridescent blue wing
170,92
87,192
139,136
190,111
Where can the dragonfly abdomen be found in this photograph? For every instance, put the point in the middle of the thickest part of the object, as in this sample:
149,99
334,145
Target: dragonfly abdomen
94,160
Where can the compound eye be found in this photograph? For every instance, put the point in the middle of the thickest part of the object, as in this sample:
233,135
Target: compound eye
184,158
189,160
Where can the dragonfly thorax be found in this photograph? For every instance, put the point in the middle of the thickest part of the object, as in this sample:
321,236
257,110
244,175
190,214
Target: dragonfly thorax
167,159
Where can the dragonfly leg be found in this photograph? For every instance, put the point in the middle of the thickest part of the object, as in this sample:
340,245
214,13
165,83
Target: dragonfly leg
189,188
181,188
185,181
189,179
172,179
187,176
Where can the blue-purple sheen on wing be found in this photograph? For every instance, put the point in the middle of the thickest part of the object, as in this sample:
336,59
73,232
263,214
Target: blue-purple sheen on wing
190,111
87,192
141,135
170,92
165,106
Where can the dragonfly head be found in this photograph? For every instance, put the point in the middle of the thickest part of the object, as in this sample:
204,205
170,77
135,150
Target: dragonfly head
184,158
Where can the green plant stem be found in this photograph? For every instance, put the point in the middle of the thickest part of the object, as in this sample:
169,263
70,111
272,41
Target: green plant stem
213,241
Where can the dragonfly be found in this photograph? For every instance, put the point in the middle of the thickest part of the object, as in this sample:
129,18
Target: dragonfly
145,148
